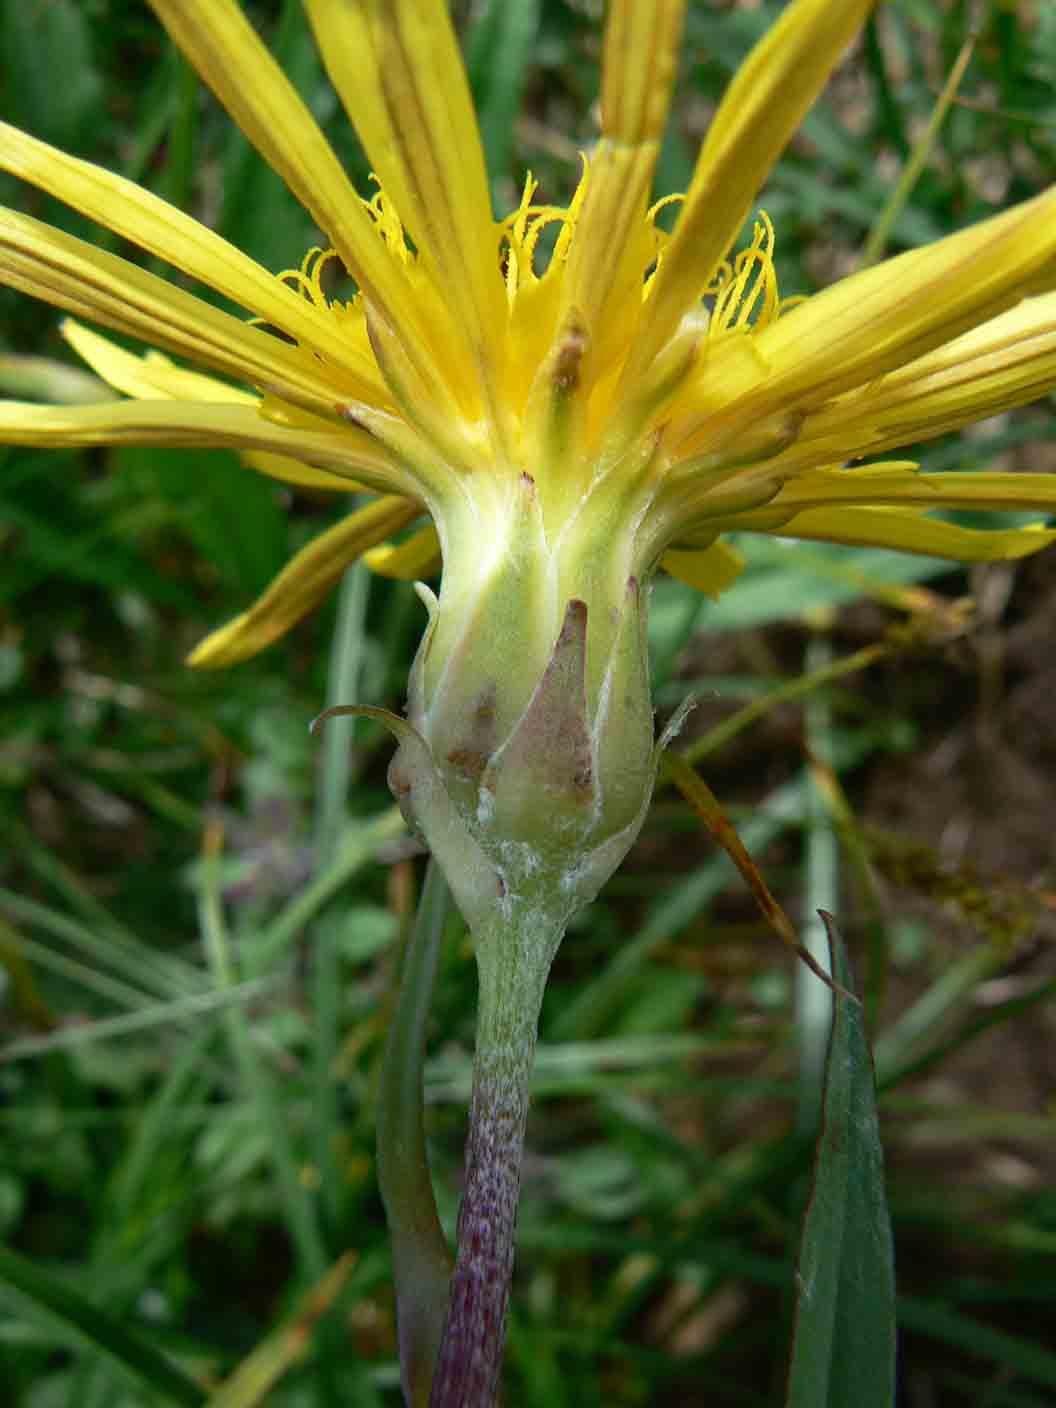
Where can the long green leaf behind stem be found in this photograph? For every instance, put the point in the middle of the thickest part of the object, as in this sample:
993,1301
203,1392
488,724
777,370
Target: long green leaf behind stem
421,1261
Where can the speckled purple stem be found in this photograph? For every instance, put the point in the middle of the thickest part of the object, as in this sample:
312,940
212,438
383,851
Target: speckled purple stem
470,1359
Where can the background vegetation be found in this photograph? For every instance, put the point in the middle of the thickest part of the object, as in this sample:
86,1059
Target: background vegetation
201,906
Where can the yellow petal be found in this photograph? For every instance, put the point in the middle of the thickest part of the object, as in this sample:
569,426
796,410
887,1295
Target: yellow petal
397,69
60,269
222,45
610,249
907,531
301,476
711,570
1008,361
876,321
416,557
764,104
880,487
150,376
350,454
611,244
153,375
184,242
303,583
638,68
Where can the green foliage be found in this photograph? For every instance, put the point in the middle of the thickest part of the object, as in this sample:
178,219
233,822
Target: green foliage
38,45
843,1351
194,1030
132,1352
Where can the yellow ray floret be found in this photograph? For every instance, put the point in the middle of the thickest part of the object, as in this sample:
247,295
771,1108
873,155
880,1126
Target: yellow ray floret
303,583
184,242
764,104
1007,361
417,557
150,376
396,66
105,289
224,48
906,531
610,245
351,456
709,570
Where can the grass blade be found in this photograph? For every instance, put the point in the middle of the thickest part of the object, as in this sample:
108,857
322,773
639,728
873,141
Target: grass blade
843,1352
259,1372
87,1323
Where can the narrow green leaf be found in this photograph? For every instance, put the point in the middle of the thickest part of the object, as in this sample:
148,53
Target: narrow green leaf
843,1351
101,1332
38,43
335,774
1011,1352
421,1260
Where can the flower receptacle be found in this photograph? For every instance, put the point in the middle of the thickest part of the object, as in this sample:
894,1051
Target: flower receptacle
528,763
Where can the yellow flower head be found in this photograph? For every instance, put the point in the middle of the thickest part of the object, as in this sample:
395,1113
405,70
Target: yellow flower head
566,422
625,357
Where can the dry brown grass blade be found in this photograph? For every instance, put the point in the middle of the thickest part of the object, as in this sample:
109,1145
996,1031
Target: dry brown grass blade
708,807
258,1373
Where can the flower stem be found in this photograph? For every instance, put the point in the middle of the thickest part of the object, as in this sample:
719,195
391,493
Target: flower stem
513,963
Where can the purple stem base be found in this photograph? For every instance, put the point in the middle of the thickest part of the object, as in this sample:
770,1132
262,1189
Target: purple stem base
470,1359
